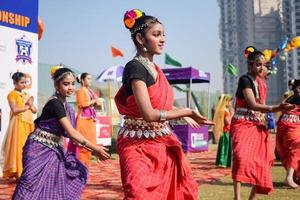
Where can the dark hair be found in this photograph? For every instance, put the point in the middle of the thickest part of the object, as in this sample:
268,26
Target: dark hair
61,73
254,56
81,77
17,76
293,84
142,25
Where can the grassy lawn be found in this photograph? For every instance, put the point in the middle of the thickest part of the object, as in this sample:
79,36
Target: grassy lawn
223,189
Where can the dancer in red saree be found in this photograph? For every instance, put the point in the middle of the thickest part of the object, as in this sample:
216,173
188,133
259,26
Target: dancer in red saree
288,137
252,149
153,166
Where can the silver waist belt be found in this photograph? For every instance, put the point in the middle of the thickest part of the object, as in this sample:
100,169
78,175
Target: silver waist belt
290,118
250,115
46,138
140,128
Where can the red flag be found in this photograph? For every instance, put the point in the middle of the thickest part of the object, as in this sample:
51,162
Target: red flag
116,52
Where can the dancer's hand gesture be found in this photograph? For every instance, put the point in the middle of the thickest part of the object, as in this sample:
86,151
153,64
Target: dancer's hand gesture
201,119
191,122
285,107
102,153
29,101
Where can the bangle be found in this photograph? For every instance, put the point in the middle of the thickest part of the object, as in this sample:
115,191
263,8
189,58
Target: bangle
162,115
83,143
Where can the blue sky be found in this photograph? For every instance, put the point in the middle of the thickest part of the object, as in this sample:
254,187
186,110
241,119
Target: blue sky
79,33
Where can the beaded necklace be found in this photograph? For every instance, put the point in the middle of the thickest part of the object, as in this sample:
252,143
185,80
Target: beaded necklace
147,64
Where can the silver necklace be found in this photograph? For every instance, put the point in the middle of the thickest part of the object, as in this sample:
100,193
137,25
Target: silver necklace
147,64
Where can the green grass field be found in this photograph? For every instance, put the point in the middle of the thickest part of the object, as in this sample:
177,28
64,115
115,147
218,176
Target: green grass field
223,189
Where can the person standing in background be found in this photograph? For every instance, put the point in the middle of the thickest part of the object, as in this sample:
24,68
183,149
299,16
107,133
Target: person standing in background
222,121
217,131
19,127
86,115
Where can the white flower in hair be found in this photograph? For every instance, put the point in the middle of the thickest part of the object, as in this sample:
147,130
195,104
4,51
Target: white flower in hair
79,76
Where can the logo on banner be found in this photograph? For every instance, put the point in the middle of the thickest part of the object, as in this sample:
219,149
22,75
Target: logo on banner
23,50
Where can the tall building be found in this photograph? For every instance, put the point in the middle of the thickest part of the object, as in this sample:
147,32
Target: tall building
250,22
268,34
236,32
291,26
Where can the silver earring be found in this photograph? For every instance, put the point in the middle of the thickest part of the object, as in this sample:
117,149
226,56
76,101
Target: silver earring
144,49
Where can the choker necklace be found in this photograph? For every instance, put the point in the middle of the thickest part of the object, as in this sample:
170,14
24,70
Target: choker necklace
146,63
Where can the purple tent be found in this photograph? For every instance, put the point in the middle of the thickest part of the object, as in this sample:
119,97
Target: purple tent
186,75
192,139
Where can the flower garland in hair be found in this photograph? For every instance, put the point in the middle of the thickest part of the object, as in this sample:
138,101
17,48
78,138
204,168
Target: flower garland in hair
248,50
54,69
79,76
131,16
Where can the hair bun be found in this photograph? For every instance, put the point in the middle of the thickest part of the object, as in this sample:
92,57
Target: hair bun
54,69
131,16
248,50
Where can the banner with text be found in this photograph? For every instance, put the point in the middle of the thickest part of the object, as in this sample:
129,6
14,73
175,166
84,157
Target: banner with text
18,51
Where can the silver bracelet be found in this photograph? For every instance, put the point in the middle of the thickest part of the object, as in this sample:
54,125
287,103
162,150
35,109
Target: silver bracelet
162,115
83,143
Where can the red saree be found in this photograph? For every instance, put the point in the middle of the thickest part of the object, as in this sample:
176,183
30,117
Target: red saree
153,169
262,86
252,149
288,140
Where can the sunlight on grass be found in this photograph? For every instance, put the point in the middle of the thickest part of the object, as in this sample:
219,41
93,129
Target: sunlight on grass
223,188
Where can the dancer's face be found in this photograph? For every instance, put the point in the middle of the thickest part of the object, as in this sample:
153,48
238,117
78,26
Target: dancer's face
87,81
21,84
66,86
155,39
258,65
264,72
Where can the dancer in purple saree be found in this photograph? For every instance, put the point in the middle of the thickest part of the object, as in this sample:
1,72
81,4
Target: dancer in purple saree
49,172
